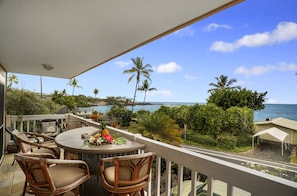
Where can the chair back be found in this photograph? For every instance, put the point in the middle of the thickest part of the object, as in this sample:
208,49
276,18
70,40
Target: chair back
130,172
72,124
48,176
35,169
12,132
133,170
22,140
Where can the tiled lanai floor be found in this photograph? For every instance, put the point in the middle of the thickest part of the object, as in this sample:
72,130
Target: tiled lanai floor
12,178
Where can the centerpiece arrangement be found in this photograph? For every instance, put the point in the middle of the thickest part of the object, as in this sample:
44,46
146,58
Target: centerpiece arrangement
104,137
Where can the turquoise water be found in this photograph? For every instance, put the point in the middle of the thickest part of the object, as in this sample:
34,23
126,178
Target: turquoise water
277,110
271,110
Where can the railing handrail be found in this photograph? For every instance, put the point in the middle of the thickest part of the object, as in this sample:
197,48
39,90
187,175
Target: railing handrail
252,181
35,117
246,178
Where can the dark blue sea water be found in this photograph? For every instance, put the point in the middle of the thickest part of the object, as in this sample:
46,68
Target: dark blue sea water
271,110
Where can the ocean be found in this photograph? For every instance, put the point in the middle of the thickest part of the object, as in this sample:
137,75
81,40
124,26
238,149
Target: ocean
288,111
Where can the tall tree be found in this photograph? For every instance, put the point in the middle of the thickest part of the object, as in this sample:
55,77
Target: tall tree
223,83
227,98
96,91
183,115
74,83
145,87
138,70
12,79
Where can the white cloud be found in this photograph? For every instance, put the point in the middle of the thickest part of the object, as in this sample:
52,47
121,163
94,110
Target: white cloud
190,77
122,63
168,68
187,31
261,69
284,32
165,93
287,67
257,70
214,26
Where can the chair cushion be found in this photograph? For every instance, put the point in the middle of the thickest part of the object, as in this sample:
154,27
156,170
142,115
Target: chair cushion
15,131
125,174
109,175
43,150
64,175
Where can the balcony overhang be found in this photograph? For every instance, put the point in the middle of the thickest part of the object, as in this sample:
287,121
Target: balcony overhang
74,36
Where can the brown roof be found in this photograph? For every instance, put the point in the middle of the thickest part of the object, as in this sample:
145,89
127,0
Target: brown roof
282,122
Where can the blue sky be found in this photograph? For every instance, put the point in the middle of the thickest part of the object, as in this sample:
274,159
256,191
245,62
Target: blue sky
254,42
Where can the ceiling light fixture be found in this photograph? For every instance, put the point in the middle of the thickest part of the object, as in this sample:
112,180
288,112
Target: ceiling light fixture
47,67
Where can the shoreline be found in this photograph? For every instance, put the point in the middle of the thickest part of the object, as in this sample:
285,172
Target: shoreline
270,111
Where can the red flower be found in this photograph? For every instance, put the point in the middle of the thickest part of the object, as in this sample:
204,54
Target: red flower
108,138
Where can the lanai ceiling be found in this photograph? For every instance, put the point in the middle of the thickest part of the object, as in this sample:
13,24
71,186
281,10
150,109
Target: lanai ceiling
74,36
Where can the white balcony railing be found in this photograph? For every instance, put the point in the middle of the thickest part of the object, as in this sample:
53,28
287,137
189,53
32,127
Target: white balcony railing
235,177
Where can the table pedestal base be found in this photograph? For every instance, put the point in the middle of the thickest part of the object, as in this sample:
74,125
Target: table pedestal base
93,187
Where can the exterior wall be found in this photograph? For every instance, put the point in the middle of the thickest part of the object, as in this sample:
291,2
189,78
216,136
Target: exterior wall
2,110
290,139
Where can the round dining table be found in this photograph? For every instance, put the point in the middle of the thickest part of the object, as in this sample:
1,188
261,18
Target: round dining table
75,141
72,140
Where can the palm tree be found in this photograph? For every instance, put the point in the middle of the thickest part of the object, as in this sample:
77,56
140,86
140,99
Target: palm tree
138,70
96,91
223,83
74,83
145,87
158,126
12,79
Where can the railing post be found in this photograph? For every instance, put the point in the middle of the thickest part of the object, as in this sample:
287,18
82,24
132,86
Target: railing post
229,189
22,124
180,179
168,178
28,126
194,182
158,175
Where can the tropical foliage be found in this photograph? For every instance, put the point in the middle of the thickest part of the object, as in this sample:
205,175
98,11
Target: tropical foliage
12,79
137,71
212,125
223,83
145,87
180,114
96,91
158,126
121,114
227,98
22,102
74,83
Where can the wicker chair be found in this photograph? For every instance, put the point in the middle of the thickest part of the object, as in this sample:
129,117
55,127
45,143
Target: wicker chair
12,133
128,174
53,176
26,188
27,143
72,124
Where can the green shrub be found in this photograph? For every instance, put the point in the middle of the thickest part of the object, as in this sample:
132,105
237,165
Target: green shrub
202,139
244,139
227,141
